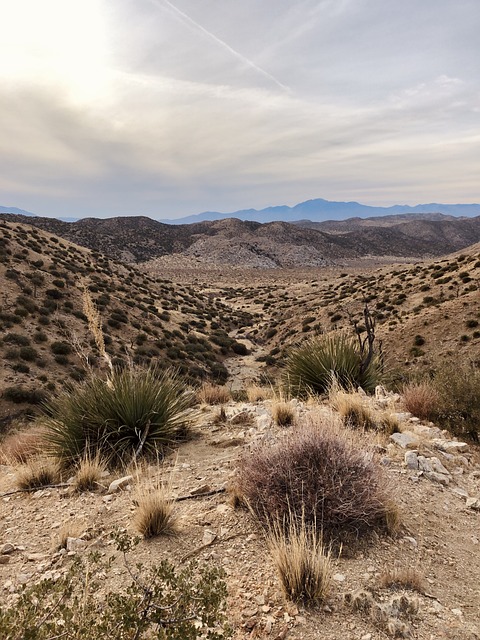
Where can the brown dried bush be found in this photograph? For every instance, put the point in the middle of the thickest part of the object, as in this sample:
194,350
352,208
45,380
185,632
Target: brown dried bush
19,446
421,399
213,394
319,474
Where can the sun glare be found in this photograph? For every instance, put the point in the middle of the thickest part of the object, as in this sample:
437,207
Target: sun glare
55,42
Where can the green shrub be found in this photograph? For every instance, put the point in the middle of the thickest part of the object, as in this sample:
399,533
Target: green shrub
134,412
28,353
16,338
19,394
160,602
61,348
311,367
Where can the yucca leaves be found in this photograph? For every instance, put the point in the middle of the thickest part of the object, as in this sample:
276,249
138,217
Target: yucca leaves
134,412
312,367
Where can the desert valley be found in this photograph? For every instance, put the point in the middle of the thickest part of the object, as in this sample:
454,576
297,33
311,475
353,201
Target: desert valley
314,453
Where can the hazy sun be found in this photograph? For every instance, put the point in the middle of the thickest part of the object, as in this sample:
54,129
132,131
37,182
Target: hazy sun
55,41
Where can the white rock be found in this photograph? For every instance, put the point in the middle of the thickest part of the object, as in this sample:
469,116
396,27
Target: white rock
405,440
411,459
208,536
75,544
119,484
438,466
424,464
438,477
473,503
450,446
460,492
339,577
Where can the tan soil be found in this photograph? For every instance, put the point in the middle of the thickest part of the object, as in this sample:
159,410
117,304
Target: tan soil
439,537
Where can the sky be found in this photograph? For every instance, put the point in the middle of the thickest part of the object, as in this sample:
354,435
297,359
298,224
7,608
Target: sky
169,108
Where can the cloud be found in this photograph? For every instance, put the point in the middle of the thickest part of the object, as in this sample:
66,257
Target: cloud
190,115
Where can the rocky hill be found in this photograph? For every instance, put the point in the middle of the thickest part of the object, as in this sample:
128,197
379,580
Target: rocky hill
45,339
251,244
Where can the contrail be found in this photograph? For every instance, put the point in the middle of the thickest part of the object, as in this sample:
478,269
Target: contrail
223,44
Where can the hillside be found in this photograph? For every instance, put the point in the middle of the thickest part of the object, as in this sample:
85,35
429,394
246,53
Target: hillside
234,242
45,339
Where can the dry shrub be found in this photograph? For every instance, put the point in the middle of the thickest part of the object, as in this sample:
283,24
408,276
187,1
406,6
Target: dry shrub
402,578
283,414
421,399
255,393
388,423
89,473
154,515
21,445
303,564
38,472
354,409
244,418
318,473
213,394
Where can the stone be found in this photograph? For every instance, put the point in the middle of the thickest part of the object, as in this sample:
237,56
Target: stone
411,541
380,392
405,440
411,459
438,477
4,559
7,548
263,422
450,446
460,492
208,536
204,488
75,544
473,503
119,484
339,577
438,466
424,464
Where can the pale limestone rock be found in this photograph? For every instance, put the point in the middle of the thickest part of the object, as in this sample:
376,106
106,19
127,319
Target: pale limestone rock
405,440
119,484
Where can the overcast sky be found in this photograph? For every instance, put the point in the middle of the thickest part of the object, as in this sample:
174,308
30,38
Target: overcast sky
127,107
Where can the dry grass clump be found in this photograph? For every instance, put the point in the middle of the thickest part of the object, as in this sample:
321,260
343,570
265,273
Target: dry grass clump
38,472
210,393
303,564
402,578
283,414
154,515
255,393
89,473
354,410
70,529
19,446
320,474
421,399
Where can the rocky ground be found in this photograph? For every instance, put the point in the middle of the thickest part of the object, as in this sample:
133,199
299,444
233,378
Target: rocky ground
437,486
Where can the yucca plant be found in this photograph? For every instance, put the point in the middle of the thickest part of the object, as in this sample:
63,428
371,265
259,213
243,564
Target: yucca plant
132,413
312,367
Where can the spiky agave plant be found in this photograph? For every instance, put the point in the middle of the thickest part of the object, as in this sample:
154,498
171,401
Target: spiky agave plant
312,367
135,412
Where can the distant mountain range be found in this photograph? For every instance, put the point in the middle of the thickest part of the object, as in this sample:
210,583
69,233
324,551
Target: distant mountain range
20,212
319,210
